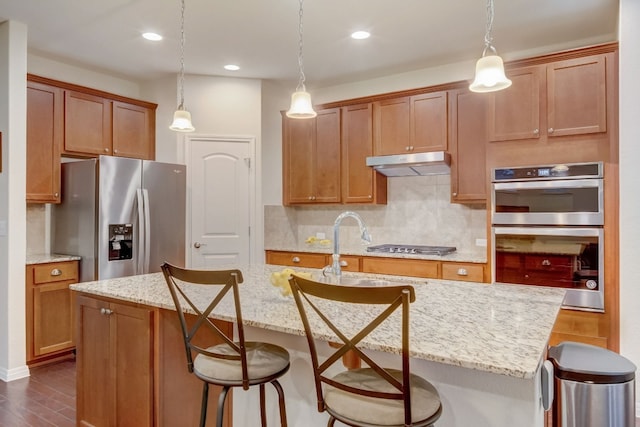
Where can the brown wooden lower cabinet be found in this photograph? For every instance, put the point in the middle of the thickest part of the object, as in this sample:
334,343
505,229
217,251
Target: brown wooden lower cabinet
580,326
50,311
131,367
433,269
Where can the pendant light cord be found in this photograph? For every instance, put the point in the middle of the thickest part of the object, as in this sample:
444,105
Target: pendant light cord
300,87
488,38
181,106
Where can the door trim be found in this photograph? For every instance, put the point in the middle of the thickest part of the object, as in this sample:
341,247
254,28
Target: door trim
256,220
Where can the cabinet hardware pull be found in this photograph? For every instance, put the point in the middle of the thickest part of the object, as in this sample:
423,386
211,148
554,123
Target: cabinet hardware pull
56,272
454,194
56,195
344,263
295,259
550,130
462,272
546,262
106,150
536,131
106,311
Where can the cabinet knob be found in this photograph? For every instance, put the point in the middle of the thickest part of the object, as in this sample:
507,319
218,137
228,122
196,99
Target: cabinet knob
106,311
550,130
56,194
411,148
115,151
56,272
546,262
295,259
454,194
106,150
369,196
536,131
344,263
406,148
462,272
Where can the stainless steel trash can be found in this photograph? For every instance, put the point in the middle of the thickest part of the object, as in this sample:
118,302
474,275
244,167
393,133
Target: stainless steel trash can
594,387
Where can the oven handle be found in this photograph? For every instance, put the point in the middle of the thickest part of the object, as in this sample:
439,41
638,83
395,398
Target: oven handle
565,183
550,231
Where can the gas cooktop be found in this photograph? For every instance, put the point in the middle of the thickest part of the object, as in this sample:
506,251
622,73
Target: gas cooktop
412,249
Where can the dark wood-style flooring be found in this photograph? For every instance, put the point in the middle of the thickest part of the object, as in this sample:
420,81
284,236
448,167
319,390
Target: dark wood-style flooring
47,398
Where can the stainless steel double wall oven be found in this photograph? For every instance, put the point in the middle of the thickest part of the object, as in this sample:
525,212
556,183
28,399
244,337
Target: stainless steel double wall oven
547,230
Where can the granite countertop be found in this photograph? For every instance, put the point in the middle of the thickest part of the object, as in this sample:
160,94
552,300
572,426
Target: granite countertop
473,257
502,329
47,258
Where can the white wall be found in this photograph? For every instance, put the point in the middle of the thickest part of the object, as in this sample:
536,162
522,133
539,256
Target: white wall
13,120
629,184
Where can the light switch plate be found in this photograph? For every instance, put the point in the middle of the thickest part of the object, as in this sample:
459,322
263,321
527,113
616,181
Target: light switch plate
3,228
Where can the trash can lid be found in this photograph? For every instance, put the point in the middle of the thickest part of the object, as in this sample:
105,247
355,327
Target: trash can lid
588,363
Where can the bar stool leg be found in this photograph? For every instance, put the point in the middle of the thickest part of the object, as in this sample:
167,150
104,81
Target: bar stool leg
263,409
221,400
283,411
203,407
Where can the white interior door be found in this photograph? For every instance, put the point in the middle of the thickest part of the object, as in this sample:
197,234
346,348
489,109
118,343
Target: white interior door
220,178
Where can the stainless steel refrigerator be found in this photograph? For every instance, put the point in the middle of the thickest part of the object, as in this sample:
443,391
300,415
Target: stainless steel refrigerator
122,216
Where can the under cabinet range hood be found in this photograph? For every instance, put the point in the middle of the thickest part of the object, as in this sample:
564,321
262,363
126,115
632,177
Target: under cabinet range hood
431,163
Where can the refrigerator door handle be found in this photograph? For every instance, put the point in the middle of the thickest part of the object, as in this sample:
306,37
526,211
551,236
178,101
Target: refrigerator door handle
147,231
141,234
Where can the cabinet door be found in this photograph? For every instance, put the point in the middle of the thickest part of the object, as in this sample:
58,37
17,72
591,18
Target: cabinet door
297,160
327,156
133,131
53,317
95,383
360,183
577,96
391,126
428,122
514,113
468,147
87,124
45,130
131,330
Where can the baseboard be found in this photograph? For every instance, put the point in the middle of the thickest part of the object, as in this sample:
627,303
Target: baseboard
7,375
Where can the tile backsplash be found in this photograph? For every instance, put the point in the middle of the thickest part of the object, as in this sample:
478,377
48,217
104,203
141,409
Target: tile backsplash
37,239
418,212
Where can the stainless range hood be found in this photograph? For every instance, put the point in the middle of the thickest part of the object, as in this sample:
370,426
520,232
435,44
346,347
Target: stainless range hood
431,163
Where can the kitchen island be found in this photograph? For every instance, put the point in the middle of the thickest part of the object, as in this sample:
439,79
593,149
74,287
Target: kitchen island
481,345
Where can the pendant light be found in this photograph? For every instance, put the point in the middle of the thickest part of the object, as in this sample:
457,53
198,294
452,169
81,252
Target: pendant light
182,118
490,75
301,107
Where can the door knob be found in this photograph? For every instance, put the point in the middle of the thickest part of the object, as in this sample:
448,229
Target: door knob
197,245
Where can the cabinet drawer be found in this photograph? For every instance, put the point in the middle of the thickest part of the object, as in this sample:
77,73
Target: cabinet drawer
55,272
297,259
401,267
464,272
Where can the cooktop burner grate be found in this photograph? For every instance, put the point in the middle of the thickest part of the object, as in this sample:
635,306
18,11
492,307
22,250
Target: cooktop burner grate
412,249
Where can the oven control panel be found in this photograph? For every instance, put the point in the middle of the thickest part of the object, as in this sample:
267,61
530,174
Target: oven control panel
559,171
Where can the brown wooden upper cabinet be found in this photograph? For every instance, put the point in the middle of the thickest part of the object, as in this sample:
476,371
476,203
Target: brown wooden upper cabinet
133,130
311,158
561,98
45,131
411,124
360,183
468,139
87,120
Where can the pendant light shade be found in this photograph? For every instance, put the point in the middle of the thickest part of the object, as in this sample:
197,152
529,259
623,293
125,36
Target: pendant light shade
182,121
181,117
490,75
301,107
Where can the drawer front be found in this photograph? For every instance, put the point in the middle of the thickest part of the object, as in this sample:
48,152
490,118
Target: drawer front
401,267
297,259
55,272
464,272
350,263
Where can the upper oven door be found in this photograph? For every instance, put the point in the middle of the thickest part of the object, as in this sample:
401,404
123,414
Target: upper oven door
556,202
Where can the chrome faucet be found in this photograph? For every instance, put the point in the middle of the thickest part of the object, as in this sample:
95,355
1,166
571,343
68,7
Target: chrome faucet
364,235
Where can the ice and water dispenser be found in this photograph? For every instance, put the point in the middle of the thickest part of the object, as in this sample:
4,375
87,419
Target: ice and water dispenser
120,241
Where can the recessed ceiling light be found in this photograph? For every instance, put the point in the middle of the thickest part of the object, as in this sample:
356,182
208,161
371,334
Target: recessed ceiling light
152,36
360,35
231,67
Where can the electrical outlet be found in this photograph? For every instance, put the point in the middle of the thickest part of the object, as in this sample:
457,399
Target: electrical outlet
481,242
320,236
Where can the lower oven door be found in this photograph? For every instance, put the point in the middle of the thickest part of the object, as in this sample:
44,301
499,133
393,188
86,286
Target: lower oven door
561,257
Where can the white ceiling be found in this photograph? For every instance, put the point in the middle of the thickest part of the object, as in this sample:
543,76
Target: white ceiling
261,36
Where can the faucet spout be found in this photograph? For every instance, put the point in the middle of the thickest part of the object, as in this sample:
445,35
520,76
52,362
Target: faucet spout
336,268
